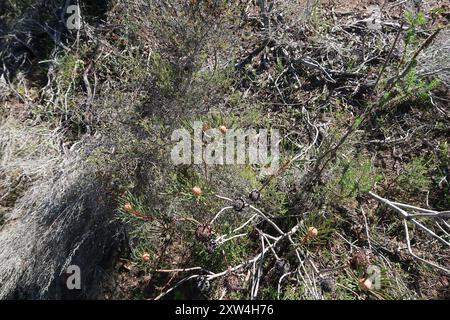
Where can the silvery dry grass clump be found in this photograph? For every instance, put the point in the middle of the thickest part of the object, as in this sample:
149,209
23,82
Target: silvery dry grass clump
435,60
155,66
63,217
34,151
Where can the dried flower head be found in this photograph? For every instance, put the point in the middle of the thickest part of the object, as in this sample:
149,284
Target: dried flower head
204,232
312,232
203,284
365,284
211,246
359,260
254,195
146,256
223,129
282,266
233,282
197,191
328,284
238,204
